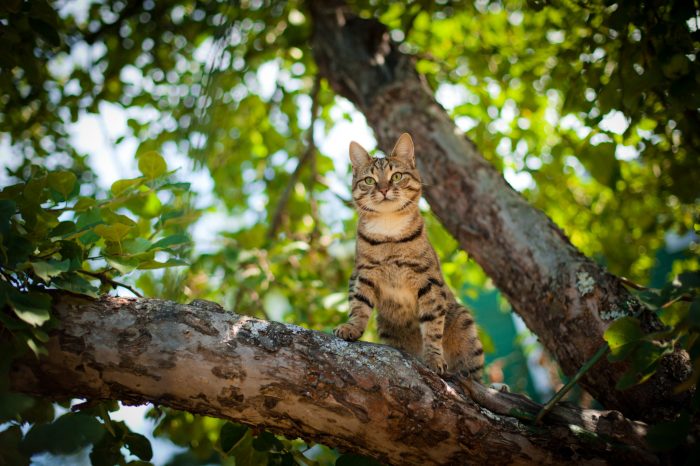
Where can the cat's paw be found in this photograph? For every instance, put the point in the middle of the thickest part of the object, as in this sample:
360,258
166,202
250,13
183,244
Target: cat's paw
347,332
436,362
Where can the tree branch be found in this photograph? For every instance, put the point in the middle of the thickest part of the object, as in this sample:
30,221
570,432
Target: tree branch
361,397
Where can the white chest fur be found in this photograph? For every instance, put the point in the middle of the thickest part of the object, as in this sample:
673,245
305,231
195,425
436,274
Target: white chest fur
388,225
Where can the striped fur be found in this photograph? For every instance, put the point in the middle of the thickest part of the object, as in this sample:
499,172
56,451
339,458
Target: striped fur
397,270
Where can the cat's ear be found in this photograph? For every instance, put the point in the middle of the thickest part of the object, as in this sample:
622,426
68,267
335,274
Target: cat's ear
403,150
358,155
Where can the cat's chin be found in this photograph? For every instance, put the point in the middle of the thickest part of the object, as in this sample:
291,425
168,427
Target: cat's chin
386,206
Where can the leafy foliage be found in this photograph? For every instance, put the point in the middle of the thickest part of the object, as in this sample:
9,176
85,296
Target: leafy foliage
55,237
535,84
678,306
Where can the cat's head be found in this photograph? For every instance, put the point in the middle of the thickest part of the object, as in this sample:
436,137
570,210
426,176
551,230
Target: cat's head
385,185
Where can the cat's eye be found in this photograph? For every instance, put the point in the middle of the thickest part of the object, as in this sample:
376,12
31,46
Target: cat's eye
396,177
369,180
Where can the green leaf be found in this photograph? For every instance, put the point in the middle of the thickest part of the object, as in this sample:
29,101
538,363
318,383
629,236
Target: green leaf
150,207
12,324
39,334
644,361
71,250
84,203
666,436
601,163
148,265
67,434
152,165
621,353
694,313
41,412
17,249
62,182
623,331
282,459
7,210
170,241
139,445
76,283
673,315
123,264
177,186
652,298
627,380
356,460
88,219
50,268
10,453
120,186
111,217
266,442
32,344
12,404
32,307
689,280
136,246
62,229
107,452
114,232
230,435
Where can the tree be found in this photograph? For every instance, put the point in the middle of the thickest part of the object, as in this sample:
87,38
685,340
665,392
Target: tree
500,60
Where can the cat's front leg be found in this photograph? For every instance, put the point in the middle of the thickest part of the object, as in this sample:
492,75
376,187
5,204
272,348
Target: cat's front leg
362,297
431,315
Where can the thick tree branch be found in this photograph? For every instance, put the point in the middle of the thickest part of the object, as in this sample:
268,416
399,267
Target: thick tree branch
360,397
564,297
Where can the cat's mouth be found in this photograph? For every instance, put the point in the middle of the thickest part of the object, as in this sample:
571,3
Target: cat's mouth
383,198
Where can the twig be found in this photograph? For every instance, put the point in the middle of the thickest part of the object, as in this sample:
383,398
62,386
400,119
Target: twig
519,406
310,143
569,385
631,284
684,297
306,156
105,279
636,286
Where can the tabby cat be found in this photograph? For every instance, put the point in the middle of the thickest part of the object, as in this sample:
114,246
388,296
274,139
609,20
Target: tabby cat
398,272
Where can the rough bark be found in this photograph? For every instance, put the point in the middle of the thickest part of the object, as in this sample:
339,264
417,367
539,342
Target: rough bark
564,297
361,397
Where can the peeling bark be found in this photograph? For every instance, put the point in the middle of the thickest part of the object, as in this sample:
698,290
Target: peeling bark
564,297
360,397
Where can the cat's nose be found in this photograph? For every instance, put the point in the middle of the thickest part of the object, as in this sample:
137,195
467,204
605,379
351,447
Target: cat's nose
383,191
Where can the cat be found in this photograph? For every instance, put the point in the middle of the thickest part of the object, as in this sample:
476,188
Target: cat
398,272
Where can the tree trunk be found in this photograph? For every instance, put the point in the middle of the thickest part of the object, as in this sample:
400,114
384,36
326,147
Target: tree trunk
361,397
565,298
